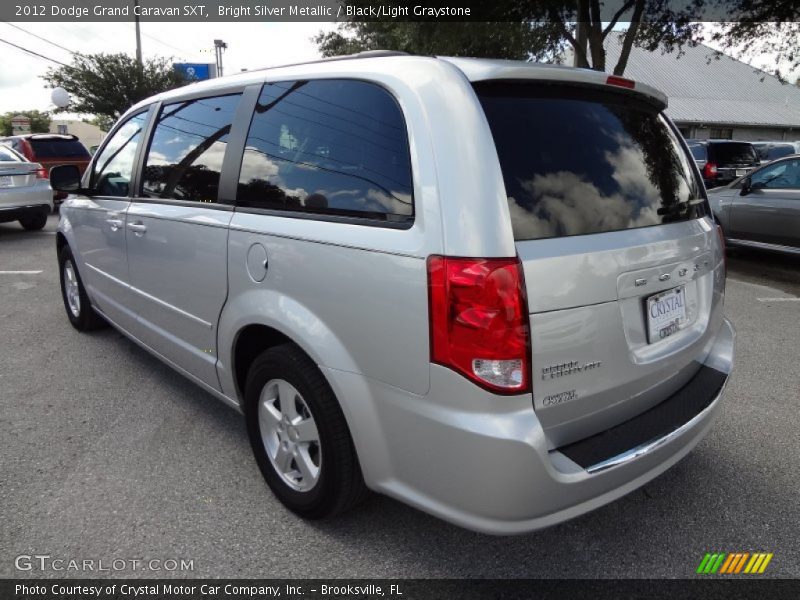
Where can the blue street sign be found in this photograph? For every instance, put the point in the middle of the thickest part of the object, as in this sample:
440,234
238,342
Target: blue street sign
193,71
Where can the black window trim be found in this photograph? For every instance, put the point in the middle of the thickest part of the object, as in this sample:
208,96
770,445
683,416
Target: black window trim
397,222
87,183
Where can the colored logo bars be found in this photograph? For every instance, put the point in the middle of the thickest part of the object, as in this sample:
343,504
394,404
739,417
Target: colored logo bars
734,563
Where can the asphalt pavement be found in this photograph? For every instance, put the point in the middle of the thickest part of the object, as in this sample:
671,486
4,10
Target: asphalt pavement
107,454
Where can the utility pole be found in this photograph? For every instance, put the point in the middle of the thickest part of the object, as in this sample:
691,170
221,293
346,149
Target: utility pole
138,33
219,48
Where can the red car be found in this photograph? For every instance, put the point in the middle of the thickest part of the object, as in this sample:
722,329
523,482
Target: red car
49,150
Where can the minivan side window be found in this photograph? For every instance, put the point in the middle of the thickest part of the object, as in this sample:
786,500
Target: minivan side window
113,166
329,147
185,157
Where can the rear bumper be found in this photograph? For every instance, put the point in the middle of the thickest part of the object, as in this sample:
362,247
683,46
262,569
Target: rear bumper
14,213
25,200
482,461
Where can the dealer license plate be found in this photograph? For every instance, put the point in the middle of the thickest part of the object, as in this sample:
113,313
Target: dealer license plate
666,313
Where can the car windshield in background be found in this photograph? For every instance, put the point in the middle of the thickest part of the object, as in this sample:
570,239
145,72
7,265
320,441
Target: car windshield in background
576,161
8,155
773,151
58,148
727,153
698,151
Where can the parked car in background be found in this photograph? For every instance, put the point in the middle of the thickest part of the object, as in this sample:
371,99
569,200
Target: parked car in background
49,150
25,195
762,210
769,151
498,298
722,161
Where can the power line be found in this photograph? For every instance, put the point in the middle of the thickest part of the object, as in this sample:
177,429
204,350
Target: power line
163,43
58,62
40,37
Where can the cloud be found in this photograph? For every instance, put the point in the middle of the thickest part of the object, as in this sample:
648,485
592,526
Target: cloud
564,203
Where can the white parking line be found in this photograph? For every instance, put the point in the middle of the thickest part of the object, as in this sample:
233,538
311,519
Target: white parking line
785,299
20,272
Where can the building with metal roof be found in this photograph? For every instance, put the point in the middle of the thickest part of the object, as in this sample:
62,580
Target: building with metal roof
712,95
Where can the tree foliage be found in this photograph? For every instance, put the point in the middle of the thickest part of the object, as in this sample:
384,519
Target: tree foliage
532,30
106,85
40,121
760,28
546,29
498,40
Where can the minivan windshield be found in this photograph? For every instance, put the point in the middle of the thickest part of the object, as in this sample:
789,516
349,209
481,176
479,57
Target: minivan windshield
773,151
578,160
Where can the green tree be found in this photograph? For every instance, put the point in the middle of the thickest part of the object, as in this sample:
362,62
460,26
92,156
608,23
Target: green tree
106,85
498,40
104,123
40,121
531,30
757,28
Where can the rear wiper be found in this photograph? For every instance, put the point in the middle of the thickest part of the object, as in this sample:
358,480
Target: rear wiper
674,210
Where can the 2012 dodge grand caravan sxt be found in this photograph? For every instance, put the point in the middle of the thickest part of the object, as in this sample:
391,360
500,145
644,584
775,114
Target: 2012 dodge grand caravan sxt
490,289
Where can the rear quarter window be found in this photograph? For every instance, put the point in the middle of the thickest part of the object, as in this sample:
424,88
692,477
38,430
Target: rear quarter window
578,161
328,147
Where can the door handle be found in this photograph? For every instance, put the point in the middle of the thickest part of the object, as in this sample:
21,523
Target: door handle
137,228
116,224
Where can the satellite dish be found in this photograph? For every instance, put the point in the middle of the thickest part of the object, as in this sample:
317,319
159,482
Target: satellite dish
60,97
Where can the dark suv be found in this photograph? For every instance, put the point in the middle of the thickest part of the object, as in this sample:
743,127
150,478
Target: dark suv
722,161
49,150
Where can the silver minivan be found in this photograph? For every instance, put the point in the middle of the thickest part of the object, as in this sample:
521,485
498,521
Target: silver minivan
490,289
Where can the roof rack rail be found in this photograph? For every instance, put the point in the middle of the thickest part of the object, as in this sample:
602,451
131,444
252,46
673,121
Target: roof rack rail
357,55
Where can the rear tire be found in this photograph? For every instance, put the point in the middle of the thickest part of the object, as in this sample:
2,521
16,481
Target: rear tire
299,435
79,310
34,222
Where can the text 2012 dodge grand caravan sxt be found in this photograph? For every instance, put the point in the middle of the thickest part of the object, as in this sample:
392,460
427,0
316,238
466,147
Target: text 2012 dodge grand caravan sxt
490,289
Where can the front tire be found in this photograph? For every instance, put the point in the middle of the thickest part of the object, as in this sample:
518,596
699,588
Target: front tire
79,310
34,222
299,435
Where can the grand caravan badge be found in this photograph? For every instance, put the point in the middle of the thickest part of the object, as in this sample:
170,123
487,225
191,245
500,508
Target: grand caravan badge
568,368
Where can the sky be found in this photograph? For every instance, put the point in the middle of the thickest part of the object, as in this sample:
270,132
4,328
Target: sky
250,46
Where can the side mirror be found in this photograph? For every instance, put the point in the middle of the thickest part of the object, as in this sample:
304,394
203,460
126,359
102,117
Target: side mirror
746,186
65,178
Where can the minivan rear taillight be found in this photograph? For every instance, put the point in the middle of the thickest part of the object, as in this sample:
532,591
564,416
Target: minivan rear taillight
710,170
479,320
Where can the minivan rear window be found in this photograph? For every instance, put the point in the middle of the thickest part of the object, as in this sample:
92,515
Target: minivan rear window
578,160
731,153
58,148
